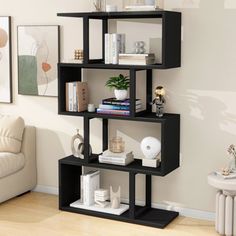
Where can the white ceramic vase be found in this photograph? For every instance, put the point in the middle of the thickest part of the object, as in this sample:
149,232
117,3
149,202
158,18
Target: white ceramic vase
121,94
150,147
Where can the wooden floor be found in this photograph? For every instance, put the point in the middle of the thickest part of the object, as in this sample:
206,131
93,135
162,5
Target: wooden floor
37,214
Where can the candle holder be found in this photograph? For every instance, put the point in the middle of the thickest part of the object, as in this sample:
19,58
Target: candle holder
117,145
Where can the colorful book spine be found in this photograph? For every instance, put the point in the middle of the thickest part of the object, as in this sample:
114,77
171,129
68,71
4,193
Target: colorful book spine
113,112
117,107
120,103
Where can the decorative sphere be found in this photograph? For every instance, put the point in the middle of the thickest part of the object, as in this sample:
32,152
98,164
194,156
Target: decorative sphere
150,147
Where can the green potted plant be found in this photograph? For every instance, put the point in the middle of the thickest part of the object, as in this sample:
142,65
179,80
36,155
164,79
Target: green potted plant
120,84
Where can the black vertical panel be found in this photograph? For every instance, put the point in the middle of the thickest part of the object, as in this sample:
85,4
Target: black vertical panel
148,190
104,31
132,92
171,39
149,90
170,139
86,38
66,74
105,134
69,184
132,195
86,138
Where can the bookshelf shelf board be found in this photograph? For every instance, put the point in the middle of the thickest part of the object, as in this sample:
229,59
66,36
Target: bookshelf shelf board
116,66
135,166
118,15
146,117
149,216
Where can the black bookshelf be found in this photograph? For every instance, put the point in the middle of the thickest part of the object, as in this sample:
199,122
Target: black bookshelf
171,36
70,168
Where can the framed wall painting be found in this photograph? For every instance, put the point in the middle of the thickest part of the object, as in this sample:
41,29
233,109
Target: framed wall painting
38,55
5,60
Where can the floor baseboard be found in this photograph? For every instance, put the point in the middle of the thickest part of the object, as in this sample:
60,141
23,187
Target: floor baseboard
192,213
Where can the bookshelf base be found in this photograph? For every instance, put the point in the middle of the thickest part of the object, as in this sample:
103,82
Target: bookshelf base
152,217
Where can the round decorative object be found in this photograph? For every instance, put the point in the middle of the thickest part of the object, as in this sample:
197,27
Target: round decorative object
150,147
77,146
121,94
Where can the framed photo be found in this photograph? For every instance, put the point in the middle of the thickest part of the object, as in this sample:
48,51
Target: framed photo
5,60
38,55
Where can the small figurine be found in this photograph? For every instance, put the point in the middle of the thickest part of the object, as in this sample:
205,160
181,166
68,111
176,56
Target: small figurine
115,198
159,101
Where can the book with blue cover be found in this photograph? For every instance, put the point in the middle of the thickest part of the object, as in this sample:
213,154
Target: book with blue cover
114,101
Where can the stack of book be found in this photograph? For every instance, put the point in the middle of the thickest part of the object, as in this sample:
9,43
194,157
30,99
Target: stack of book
141,8
76,96
90,182
121,159
136,59
111,106
114,44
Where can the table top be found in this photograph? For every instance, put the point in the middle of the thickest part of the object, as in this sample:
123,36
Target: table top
224,184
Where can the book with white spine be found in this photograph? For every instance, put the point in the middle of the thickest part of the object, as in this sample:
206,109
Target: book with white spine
91,182
107,48
115,47
69,97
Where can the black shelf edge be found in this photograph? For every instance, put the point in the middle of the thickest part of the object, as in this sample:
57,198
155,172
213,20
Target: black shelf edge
135,166
118,15
152,217
147,117
116,66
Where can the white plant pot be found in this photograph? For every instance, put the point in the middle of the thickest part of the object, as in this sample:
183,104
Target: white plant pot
121,94
150,147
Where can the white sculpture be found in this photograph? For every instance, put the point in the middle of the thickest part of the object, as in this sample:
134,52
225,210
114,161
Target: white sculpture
150,147
115,198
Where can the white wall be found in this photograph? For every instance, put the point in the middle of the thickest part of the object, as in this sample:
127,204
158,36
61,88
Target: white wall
202,91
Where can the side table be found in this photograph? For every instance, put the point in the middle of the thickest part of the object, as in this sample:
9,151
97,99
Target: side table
225,222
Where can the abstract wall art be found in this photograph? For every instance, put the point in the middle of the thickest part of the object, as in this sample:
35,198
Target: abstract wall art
5,60
38,55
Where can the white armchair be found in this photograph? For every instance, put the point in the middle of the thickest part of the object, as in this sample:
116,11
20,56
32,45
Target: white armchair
17,170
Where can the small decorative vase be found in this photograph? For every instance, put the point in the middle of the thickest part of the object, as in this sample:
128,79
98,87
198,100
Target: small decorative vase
99,5
77,139
77,146
121,94
150,147
115,198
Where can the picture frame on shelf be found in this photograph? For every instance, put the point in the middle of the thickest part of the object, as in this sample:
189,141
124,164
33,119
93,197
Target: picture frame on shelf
5,60
38,55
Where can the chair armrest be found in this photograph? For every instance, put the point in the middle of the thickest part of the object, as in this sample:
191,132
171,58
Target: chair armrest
28,147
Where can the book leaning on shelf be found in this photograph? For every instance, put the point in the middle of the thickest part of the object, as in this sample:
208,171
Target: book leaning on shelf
114,44
76,96
89,183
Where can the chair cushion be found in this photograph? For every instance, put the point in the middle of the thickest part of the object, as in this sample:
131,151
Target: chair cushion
10,163
11,133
